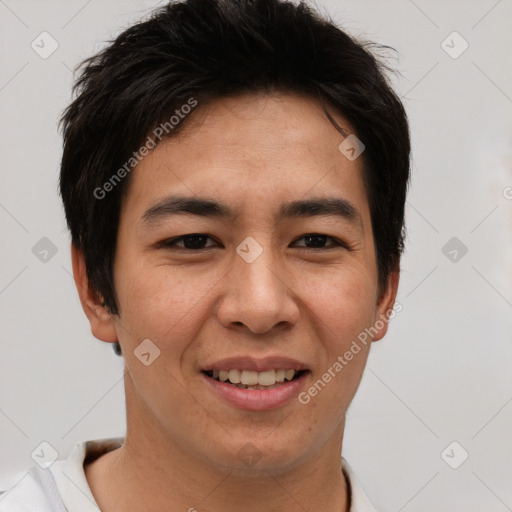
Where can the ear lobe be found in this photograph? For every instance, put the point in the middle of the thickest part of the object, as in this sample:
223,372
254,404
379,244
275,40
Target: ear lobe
102,324
385,306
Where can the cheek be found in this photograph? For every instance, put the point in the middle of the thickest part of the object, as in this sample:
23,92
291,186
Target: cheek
344,300
344,307
161,304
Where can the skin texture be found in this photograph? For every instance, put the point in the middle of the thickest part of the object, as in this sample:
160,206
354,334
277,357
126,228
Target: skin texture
183,442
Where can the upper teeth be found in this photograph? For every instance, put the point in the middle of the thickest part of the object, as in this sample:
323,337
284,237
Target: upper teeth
252,378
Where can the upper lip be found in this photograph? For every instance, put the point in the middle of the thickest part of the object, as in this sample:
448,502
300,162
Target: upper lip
256,364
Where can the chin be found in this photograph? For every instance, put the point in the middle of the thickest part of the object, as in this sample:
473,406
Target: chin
266,456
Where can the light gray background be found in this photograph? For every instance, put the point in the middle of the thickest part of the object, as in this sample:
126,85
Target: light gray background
443,372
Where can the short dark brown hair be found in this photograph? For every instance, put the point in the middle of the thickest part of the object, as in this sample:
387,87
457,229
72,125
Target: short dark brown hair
209,49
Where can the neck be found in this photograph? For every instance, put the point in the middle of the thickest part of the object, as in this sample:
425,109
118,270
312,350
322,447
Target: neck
147,478
151,470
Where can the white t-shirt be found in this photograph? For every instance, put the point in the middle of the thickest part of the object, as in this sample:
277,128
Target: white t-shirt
63,487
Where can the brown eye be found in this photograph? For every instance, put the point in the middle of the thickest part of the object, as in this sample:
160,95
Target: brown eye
317,241
192,242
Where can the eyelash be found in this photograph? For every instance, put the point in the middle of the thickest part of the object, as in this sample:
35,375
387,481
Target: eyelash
171,243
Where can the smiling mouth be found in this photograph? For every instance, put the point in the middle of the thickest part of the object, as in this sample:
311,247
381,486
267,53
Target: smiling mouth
255,380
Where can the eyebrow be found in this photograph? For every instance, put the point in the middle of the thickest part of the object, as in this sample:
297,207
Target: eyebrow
202,207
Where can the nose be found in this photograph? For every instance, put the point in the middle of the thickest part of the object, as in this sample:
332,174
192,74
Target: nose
257,296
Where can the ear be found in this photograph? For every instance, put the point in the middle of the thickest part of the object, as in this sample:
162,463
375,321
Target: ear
102,324
385,306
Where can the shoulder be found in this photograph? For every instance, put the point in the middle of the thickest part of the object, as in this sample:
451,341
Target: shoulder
35,491
60,487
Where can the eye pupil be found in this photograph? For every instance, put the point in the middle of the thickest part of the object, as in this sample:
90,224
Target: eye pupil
194,241
322,239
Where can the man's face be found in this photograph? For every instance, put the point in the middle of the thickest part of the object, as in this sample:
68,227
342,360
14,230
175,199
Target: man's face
255,288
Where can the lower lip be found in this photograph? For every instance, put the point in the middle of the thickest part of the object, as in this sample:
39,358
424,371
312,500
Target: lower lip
257,399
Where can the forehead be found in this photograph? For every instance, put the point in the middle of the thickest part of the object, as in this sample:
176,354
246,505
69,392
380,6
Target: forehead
250,150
